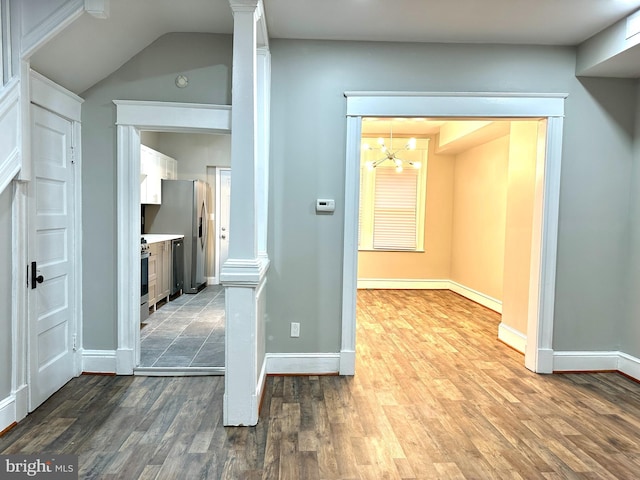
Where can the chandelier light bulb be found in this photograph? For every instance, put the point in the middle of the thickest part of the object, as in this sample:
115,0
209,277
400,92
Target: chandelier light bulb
416,164
398,162
369,166
411,144
399,169
366,146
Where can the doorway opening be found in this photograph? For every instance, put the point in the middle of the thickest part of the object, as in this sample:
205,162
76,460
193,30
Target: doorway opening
134,117
472,106
448,204
185,326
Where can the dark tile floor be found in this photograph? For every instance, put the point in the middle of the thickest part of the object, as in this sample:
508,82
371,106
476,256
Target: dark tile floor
186,332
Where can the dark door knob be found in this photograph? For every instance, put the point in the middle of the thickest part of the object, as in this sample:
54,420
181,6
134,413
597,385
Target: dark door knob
34,277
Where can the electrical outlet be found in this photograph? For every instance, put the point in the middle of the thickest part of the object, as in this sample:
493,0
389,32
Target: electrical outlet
295,329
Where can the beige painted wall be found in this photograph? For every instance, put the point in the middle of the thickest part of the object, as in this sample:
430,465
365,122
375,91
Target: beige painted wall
479,216
434,262
519,218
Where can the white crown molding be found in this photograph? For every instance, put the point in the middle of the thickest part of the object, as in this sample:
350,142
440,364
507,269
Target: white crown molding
98,8
48,27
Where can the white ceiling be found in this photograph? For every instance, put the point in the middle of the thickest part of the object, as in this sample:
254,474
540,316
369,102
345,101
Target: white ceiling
90,49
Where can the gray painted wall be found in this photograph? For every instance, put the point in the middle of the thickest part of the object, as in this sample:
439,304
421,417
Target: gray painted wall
6,287
631,331
195,152
307,161
150,75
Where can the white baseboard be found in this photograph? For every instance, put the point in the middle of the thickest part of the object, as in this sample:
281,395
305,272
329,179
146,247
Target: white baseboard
22,402
347,362
403,284
425,284
597,361
629,365
512,337
99,361
478,297
302,363
124,361
7,412
584,361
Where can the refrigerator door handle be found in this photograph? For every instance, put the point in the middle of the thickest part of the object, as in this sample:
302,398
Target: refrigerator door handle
203,224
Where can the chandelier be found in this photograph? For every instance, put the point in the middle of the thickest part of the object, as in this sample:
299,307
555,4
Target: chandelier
391,155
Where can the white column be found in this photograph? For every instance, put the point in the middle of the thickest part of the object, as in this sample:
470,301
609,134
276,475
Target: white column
243,242
264,102
243,274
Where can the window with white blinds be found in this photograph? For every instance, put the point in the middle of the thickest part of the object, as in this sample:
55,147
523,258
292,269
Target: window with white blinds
392,201
395,209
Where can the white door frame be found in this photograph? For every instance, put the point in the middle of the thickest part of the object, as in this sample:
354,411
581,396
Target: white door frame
132,117
539,349
218,213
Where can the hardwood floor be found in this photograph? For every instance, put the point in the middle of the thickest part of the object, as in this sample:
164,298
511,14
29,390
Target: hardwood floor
435,395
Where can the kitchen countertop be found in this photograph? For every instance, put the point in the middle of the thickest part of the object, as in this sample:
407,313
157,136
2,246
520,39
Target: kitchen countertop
160,237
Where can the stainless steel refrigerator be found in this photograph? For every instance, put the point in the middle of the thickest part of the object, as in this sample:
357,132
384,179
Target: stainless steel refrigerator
184,212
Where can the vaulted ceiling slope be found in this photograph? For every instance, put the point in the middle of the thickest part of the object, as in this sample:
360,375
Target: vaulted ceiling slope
90,49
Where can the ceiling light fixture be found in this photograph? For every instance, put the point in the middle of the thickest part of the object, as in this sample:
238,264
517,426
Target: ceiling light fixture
390,155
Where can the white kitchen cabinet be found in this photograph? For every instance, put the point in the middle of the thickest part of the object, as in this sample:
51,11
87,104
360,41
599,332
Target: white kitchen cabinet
153,274
154,167
159,272
164,285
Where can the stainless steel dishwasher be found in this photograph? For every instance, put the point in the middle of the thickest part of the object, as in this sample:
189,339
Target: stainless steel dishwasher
177,270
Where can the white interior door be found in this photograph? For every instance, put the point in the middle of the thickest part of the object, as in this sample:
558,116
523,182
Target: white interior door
51,284
223,201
